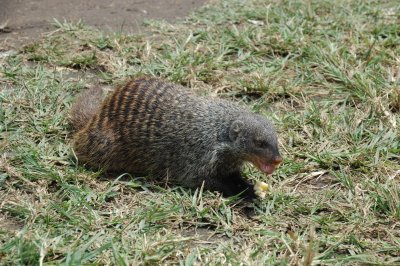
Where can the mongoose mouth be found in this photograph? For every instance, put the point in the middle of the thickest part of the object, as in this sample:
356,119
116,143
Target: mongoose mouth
267,167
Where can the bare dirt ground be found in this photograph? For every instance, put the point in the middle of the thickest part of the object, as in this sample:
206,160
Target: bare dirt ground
24,20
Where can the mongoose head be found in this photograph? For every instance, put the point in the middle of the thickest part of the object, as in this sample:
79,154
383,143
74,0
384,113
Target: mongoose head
255,140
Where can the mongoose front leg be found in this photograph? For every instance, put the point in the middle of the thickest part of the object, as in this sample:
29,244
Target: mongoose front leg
237,184
231,185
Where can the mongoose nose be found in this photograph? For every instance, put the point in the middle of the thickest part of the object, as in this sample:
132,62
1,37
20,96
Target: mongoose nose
277,161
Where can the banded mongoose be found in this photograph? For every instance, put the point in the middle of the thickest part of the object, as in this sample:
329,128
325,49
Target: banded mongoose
153,127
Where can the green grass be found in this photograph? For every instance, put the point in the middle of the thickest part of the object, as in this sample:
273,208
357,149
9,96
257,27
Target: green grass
326,72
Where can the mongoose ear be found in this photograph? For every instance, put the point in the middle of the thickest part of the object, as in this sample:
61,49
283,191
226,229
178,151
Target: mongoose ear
235,130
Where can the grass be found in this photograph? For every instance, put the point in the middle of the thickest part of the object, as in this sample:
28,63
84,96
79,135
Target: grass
326,72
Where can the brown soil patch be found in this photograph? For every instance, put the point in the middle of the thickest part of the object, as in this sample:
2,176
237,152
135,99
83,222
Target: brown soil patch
26,19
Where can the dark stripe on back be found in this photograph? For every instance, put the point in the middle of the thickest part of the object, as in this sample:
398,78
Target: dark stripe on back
150,106
105,111
131,110
120,104
159,109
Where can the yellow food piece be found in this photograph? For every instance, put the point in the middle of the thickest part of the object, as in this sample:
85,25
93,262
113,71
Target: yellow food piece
261,189
263,186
